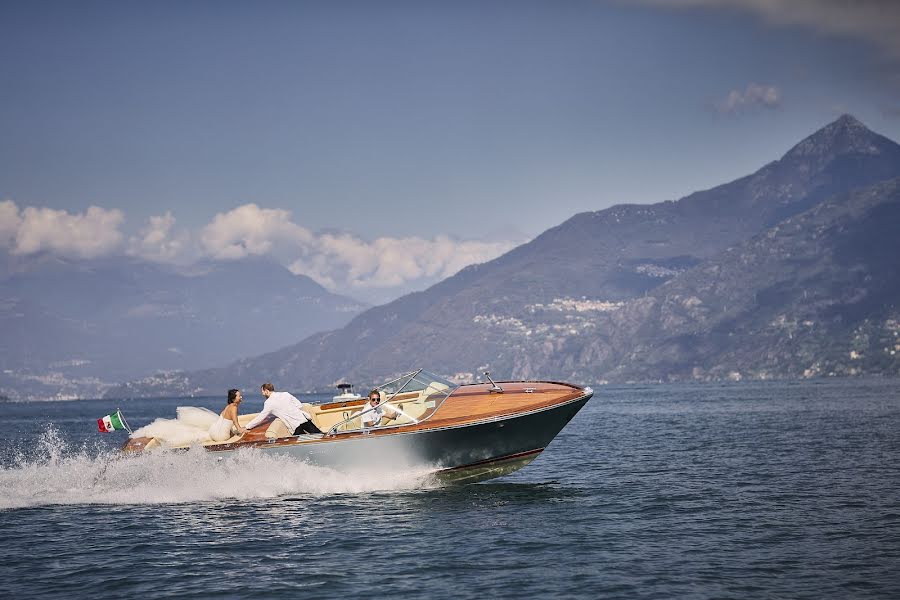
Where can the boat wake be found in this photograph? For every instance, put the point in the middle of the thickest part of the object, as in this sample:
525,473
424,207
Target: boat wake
56,473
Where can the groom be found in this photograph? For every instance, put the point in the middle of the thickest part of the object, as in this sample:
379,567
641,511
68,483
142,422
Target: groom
285,407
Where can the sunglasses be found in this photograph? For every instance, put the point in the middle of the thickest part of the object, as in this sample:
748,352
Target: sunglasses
374,399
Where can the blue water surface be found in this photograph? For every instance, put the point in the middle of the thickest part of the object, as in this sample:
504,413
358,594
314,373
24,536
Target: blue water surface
776,490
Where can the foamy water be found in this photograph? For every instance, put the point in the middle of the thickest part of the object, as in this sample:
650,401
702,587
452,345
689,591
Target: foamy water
54,472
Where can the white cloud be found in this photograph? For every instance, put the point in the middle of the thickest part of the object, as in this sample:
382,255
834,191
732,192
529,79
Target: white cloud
82,235
874,21
345,261
251,231
340,261
10,221
754,97
157,243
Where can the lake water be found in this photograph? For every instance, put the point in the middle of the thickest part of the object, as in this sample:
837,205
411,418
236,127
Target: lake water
787,490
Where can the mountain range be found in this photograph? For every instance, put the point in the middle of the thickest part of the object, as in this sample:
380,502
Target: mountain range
787,272
74,328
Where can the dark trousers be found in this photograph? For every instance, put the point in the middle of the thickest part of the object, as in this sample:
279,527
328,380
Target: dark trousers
307,427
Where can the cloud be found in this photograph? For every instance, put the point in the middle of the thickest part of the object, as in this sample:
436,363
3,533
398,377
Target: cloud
10,221
340,261
251,231
754,97
874,21
157,243
345,261
82,235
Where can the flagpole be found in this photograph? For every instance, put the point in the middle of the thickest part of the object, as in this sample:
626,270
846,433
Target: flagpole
122,418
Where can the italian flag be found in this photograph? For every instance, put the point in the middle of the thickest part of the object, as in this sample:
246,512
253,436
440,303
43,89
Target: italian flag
112,422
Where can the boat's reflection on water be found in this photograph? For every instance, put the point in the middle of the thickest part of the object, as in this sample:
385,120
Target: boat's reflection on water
437,497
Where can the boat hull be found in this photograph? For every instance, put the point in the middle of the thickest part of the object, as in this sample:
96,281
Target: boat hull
464,453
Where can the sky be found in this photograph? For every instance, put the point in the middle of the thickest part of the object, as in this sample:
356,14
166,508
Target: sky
380,146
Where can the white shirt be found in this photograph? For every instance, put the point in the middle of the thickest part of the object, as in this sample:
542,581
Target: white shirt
285,407
373,417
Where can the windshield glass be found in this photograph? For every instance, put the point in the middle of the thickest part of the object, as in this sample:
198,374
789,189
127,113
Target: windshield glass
417,381
408,399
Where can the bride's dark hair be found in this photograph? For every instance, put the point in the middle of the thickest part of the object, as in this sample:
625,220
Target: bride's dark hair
232,395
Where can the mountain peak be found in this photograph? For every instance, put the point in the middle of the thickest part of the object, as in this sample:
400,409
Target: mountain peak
846,135
846,120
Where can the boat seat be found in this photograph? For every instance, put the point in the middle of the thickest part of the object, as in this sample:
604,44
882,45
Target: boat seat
433,388
313,412
415,410
328,418
277,429
412,403
421,406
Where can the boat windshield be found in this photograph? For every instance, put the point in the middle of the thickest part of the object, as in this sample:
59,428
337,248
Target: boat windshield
408,399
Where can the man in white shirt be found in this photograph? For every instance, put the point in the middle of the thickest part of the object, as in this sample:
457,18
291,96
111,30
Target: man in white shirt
287,408
376,411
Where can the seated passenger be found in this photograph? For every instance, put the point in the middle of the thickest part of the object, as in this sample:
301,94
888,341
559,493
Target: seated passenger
227,423
376,411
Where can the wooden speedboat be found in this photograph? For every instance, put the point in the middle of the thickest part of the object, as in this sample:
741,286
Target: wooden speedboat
458,432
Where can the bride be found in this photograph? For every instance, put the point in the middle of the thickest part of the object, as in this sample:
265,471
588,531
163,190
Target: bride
196,424
227,422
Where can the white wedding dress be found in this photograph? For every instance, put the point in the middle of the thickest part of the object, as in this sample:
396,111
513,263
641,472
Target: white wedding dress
193,424
220,430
